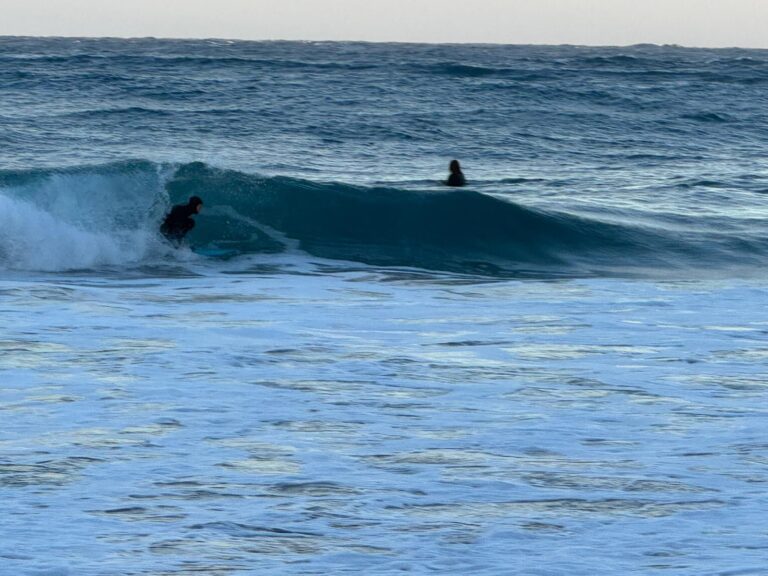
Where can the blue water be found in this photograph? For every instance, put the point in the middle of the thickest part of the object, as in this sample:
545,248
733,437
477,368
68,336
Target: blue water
558,369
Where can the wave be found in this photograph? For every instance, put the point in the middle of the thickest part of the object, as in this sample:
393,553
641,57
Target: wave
461,70
456,69
624,60
124,111
714,117
91,217
457,230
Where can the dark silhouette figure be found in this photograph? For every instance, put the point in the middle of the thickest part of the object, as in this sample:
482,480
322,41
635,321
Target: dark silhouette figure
179,220
456,177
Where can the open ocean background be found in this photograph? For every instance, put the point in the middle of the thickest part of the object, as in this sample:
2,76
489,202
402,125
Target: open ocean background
559,369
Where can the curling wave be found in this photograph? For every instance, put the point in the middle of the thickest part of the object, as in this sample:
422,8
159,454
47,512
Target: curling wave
91,217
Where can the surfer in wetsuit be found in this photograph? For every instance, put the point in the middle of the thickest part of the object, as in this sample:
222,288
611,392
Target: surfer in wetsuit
179,220
456,178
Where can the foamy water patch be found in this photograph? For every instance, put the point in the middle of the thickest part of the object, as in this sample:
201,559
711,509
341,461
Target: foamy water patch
33,239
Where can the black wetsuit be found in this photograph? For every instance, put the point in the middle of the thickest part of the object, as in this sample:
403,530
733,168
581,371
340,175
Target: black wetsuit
178,222
456,179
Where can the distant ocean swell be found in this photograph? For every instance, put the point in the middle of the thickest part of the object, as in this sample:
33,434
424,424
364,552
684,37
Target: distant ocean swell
92,217
551,65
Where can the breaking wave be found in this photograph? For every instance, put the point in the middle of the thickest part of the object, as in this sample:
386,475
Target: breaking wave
91,217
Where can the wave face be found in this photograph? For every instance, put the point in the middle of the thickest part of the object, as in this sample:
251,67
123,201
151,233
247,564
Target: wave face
454,230
445,229
108,216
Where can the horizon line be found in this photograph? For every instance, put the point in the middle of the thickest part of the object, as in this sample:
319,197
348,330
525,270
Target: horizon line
338,41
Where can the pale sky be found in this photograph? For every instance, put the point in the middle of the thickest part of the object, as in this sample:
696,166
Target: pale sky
716,23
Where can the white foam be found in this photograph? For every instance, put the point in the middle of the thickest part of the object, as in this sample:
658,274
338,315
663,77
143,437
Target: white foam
82,219
31,238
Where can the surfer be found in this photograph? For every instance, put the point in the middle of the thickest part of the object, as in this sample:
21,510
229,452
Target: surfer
456,177
179,220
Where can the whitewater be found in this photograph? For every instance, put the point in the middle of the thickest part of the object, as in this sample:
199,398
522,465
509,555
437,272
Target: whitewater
349,367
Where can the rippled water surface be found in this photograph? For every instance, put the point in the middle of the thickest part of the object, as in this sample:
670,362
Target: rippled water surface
370,421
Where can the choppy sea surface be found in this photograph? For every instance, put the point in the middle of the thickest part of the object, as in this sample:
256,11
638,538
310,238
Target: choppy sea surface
350,368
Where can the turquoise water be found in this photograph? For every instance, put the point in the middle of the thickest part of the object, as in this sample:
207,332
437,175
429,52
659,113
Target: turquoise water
559,369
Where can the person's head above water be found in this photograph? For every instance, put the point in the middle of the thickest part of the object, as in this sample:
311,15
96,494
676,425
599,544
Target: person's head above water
196,203
456,178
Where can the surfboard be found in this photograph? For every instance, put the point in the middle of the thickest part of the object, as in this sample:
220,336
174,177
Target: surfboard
222,253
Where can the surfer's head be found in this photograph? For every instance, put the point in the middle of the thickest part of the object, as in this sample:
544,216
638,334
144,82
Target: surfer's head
454,167
196,203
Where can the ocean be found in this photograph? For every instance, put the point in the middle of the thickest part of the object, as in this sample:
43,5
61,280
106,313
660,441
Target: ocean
350,368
